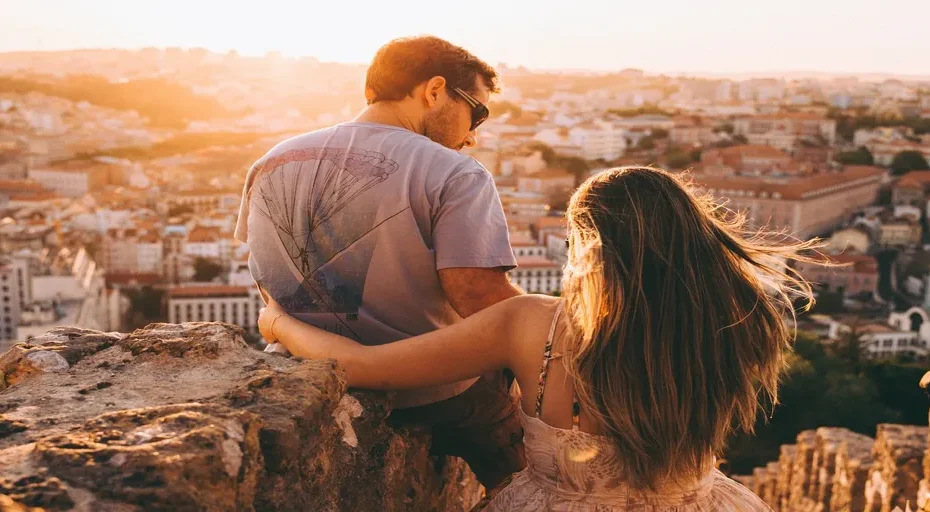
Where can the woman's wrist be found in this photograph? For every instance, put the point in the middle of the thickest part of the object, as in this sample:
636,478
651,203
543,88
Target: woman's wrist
271,327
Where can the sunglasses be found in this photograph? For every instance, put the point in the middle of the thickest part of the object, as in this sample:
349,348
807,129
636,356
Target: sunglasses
479,111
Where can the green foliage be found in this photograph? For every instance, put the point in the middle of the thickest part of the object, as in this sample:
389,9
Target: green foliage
725,128
830,385
547,153
181,144
740,139
907,161
646,143
678,159
144,307
644,110
861,156
847,122
499,108
164,103
659,133
206,270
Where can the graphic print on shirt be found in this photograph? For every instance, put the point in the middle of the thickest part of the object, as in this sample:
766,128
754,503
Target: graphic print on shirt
302,193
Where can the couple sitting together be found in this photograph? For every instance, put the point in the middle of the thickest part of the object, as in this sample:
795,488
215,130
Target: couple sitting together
376,243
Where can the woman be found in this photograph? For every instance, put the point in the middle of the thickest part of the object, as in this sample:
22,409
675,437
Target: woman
671,325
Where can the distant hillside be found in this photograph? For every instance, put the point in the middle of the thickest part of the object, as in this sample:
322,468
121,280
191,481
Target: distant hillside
166,104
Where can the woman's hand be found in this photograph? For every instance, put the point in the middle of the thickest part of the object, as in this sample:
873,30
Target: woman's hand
266,319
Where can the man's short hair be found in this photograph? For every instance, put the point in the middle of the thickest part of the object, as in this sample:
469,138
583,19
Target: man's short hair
402,64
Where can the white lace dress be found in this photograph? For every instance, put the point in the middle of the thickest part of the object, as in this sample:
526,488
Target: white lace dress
574,471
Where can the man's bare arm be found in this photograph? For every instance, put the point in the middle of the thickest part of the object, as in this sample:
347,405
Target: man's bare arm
470,290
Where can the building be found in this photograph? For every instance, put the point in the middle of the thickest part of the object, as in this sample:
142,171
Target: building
537,274
878,341
856,273
547,182
10,305
523,209
690,131
911,188
900,233
526,246
785,130
198,201
208,242
804,206
598,140
19,189
551,225
745,159
237,305
884,151
69,181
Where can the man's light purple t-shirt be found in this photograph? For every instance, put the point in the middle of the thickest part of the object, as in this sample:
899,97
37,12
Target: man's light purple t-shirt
347,227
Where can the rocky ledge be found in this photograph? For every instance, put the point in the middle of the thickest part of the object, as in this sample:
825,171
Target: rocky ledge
189,417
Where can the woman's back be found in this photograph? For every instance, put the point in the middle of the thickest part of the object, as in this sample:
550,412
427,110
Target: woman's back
573,469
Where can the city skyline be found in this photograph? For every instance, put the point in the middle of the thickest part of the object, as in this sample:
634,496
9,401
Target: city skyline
675,37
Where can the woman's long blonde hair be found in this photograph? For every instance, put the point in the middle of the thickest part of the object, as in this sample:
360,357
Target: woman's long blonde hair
680,319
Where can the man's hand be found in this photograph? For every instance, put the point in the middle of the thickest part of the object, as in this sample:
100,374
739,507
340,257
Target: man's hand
469,290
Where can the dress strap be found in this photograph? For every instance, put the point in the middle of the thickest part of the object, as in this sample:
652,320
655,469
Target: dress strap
547,356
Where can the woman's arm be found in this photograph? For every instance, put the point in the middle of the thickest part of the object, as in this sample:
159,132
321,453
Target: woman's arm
481,343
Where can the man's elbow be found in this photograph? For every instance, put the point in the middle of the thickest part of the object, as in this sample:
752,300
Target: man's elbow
469,290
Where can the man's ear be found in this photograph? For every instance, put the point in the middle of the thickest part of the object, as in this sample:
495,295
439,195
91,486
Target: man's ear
434,90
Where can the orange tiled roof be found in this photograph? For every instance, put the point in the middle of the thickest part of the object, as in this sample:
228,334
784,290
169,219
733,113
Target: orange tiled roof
547,174
791,188
204,234
551,222
191,292
914,178
21,186
536,262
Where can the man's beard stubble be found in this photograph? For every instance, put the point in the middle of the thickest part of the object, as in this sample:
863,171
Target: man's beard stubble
438,127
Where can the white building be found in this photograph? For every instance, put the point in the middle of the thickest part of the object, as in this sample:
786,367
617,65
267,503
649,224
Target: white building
66,182
236,305
879,341
9,305
599,140
537,274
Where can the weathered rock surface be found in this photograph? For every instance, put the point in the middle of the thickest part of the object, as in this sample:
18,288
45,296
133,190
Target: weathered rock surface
188,417
898,468
853,464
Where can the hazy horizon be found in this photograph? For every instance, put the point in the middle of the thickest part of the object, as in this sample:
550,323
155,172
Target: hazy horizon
716,38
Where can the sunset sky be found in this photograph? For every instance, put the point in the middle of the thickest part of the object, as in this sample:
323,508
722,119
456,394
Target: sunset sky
733,36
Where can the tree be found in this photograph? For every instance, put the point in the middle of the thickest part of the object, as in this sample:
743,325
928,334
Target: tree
725,128
907,161
548,154
646,143
144,307
678,160
206,270
861,156
659,133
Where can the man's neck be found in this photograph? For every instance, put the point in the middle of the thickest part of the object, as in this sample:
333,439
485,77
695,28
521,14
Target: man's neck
390,114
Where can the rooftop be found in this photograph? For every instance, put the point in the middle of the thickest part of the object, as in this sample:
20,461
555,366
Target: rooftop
536,262
799,188
192,292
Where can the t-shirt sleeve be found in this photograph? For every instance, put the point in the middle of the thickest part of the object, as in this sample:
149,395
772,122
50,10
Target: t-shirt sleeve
469,229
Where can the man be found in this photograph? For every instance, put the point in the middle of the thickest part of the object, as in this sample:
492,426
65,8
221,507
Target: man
379,229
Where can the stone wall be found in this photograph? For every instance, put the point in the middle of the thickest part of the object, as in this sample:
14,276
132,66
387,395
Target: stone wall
188,417
836,470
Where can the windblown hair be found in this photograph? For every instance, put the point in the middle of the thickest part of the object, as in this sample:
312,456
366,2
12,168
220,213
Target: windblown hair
680,318
402,64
